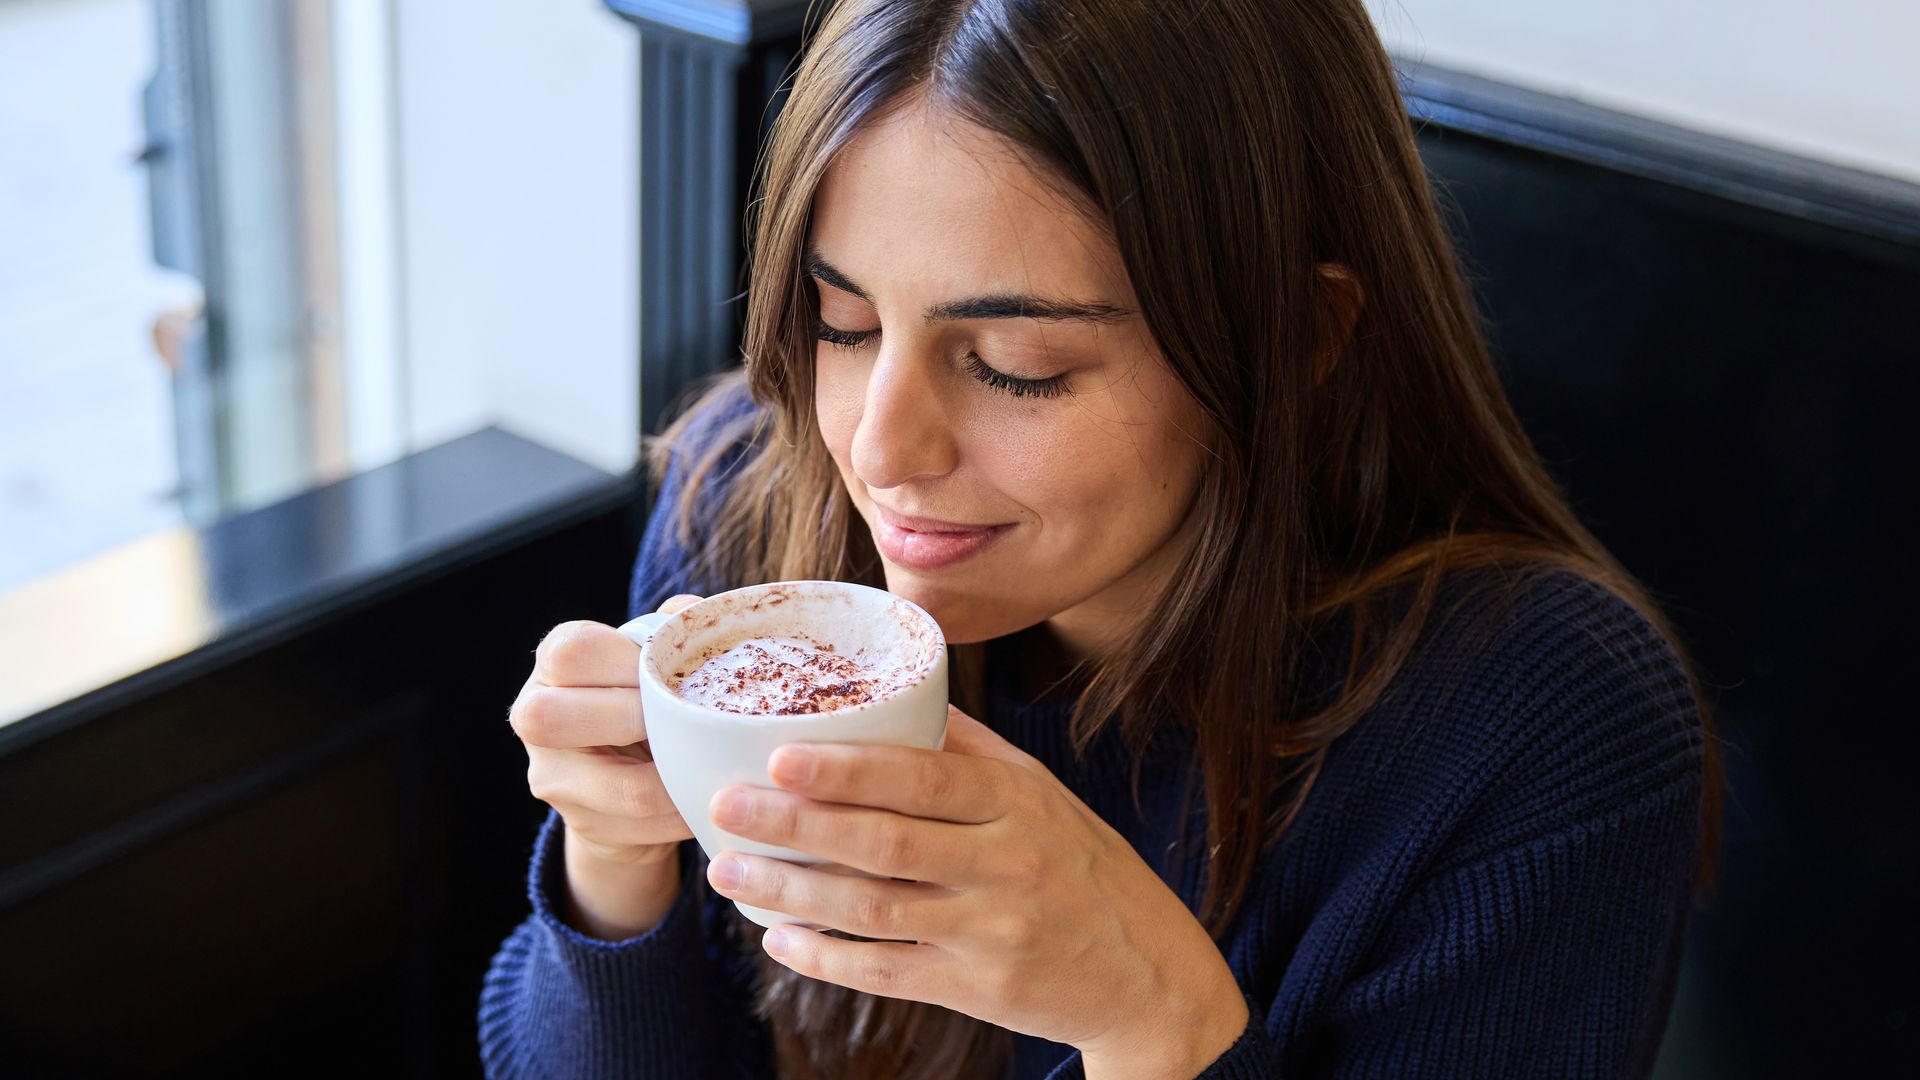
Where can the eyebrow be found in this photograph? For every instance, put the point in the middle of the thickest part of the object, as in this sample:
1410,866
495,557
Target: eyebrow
1000,306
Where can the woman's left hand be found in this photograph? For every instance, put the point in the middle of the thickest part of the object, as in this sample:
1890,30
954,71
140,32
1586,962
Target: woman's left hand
1022,907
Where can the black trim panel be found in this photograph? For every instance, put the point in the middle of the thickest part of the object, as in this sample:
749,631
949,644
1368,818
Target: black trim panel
1879,206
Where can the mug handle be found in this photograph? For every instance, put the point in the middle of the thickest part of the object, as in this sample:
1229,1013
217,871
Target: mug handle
640,629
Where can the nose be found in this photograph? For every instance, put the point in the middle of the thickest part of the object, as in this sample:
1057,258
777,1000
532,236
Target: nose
903,432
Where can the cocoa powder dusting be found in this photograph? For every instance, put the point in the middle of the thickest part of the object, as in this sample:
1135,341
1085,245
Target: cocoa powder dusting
784,677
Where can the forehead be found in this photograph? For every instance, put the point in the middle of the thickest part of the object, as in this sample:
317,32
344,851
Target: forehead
923,202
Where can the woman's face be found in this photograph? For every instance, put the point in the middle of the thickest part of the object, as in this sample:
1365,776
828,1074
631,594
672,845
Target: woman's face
1001,417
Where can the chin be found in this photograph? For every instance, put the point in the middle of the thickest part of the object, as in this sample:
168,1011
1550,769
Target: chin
965,615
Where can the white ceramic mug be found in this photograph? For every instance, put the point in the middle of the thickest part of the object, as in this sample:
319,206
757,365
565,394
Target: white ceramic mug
700,749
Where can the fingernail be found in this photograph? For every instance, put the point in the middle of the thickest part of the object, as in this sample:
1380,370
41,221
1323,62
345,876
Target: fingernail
795,764
776,944
728,873
736,808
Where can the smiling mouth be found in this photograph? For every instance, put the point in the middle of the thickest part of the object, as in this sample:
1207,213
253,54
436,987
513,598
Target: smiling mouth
927,543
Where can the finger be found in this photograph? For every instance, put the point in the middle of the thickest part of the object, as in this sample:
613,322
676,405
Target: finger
577,716
907,780
965,735
613,834
971,738
604,784
887,968
587,654
869,907
877,841
679,600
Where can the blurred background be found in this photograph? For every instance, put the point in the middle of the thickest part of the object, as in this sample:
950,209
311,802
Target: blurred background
329,330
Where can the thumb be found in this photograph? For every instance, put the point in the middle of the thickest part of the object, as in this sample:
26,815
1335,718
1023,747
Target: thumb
677,601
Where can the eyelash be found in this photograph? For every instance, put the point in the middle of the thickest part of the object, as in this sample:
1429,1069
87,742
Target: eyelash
846,339
1053,386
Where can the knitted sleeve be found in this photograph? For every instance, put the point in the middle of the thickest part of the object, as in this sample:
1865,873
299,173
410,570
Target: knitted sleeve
1538,928
1553,957
1543,938
673,1002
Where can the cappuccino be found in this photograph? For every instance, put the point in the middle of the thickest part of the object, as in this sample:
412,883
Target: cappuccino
784,676
784,662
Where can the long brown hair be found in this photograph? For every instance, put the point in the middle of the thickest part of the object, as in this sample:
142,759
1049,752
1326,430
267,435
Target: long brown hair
1233,147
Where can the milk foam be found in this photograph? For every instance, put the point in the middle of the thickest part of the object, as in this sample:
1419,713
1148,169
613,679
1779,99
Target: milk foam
786,676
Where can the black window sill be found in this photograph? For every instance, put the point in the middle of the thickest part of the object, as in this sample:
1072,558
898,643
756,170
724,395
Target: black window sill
153,613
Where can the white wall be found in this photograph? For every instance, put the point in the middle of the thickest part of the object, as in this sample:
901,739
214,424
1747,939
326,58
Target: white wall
1835,79
518,147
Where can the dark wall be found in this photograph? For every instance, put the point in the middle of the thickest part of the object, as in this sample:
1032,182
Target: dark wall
298,862
1726,393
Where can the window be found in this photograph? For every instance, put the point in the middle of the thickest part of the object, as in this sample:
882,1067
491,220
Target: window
247,248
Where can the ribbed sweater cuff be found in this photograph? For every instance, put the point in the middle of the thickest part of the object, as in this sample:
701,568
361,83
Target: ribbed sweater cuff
547,873
1251,1057
558,1001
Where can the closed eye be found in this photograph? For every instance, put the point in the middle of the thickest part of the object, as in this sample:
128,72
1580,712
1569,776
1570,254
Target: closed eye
1052,386
848,339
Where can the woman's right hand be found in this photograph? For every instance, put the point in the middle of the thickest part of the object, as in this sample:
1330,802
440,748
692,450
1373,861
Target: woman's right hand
579,716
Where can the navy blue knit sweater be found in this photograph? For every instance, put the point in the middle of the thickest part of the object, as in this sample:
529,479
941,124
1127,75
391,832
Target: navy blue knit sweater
1490,876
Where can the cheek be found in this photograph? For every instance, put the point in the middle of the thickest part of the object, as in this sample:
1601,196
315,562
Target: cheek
1097,486
837,395
1117,487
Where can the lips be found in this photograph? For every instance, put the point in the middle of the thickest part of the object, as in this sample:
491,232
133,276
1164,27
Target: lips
920,543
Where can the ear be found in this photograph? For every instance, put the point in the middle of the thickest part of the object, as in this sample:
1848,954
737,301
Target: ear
1338,299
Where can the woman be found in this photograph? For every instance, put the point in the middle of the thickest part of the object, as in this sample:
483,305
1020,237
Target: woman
1316,736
